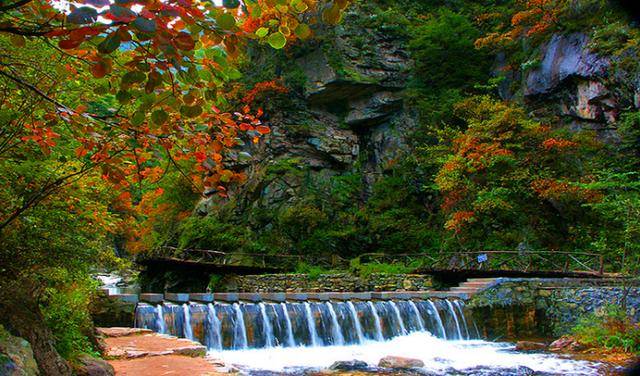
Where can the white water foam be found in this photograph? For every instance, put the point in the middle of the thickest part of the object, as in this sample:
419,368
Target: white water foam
437,354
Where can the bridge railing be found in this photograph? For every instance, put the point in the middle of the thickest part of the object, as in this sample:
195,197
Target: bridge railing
558,261
527,261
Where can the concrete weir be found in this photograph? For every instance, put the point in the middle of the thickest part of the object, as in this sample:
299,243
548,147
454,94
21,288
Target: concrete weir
280,297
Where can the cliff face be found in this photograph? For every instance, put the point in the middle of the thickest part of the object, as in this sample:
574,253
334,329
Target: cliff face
352,128
349,117
583,88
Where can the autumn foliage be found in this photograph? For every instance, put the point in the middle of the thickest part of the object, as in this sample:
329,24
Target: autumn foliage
503,167
156,77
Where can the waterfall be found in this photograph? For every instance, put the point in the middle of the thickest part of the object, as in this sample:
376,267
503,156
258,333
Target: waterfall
438,319
396,311
287,320
376,322
162,327
188,331
417,313
240,332
267,329
214,332
455,319
356,321
458,305
238,326
338,338
313,334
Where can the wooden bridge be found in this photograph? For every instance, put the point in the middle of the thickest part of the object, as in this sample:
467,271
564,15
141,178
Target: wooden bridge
472,263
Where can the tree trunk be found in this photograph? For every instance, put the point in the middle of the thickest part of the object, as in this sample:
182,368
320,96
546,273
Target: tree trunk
21,314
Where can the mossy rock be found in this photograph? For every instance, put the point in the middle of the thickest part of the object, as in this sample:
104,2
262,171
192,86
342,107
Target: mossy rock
16,356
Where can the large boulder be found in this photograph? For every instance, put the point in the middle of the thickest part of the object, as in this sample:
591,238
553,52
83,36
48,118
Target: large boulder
349,365
16,356
530,346
399,362
566,344
86,365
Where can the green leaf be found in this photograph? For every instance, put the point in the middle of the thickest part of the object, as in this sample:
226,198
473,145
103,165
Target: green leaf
226,21
83,15
110,44
277,40
262,32
137,118
299,5
159,117
191,111
123,96
302,31
144,25
133,77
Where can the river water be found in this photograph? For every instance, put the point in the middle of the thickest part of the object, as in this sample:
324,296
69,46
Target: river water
441,357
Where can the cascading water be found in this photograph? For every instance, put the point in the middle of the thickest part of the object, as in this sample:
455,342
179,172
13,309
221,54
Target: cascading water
240,333
266,326
311,323
188,330
455,319
239,326
162,327
280,336
396,311
356,321
287,320
458,305
417,315
438,319
376,321
338,338
214,329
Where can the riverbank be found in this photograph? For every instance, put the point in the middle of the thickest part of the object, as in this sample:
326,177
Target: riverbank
133,352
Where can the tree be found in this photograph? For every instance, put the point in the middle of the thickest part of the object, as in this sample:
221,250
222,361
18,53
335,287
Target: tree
99,102
509,180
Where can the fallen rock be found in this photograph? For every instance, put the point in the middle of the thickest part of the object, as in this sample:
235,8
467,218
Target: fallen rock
122,332
400,362
16,356
530,346
349,365
89,366
566,344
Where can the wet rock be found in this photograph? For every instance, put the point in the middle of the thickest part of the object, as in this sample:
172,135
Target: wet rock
566,344
349,365
89,366
16,356
530,346
400,362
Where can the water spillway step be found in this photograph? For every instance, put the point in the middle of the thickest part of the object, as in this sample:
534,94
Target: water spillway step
242,325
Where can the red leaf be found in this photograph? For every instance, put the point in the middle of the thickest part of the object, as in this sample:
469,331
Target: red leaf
184,42
200,156
68,44
262,129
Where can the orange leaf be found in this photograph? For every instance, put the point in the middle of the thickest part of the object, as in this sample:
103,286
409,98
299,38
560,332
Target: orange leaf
262,129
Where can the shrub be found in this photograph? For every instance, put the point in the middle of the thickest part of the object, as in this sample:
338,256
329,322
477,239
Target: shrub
66,313
610,329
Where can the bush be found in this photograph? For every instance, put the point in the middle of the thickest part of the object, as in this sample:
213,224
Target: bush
66,313
610,329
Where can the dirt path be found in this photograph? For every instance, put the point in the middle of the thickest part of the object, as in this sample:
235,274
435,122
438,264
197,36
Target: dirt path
134,352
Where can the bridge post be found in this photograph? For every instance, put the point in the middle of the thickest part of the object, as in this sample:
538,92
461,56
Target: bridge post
601,264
